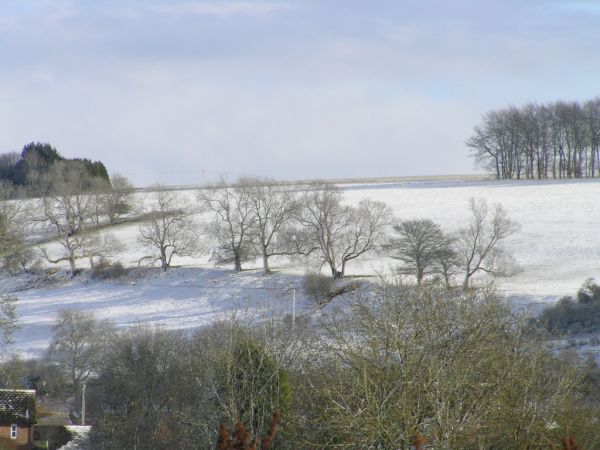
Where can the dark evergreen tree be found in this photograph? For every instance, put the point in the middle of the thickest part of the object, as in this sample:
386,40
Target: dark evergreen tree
29,170
36,158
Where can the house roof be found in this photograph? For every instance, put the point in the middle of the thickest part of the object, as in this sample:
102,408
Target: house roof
17,406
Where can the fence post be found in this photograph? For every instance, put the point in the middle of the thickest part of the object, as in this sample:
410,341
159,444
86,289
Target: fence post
293,308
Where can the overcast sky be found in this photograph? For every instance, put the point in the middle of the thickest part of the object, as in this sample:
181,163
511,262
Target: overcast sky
184,91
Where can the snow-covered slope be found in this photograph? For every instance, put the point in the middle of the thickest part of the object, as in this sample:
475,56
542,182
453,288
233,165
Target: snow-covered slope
181,298
558,247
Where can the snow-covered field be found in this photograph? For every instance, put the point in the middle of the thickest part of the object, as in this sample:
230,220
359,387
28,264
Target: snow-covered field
182,298
558,247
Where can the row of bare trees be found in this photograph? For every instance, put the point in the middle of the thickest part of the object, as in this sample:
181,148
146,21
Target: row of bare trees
427,251
556,140
265,219
251,219
259,218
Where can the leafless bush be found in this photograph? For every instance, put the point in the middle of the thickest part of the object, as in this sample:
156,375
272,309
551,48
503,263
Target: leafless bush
323,289
317,286
105,269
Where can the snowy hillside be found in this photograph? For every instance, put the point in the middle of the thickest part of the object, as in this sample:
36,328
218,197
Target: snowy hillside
182,298
558,247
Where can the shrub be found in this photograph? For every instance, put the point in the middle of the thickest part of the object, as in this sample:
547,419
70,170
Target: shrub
318,287
323,289
456,366
572,317
239,437
589,292
254,385
108,270
36,267
17,259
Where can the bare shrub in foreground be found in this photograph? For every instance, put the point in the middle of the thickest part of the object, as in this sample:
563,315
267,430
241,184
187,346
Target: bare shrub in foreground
455,365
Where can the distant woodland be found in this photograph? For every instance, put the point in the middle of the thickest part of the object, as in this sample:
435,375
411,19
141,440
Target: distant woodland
554,140
27,173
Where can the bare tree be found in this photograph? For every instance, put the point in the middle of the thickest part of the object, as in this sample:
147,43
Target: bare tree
78,344
234,220
341,233
110,200
142,393
447,261
8,317
170,230
97,247
273,207
421,245
84,245
119,198
323,219
68,214
14,253
98,191
560,139
366,231
479,245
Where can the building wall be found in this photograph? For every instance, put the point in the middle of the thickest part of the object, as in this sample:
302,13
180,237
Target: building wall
22,442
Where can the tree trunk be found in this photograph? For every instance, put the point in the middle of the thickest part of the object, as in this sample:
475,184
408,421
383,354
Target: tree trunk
74,383
164,264
466,283
72,265
447,279
333,271
335,274
266,267
237,262
467,278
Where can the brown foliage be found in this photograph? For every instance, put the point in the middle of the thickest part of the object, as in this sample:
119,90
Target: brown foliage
267,440
240,439
569,443
418,441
